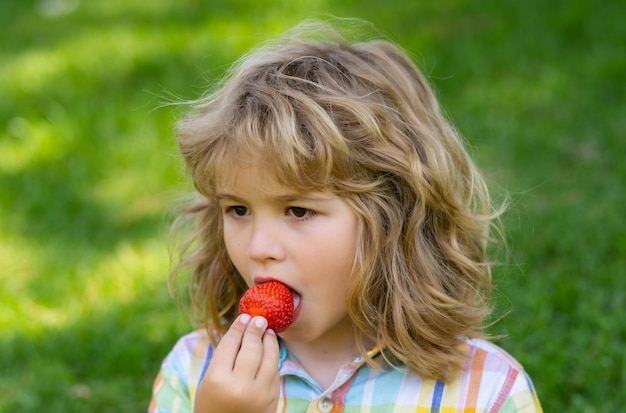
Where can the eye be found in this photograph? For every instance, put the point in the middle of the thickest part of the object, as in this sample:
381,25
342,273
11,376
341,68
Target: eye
299,212
237,210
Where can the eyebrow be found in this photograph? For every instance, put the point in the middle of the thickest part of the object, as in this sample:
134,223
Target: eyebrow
281,198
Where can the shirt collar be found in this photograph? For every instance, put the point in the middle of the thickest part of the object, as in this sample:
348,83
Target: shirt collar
356,362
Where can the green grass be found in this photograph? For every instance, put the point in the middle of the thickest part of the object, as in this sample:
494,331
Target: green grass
89,172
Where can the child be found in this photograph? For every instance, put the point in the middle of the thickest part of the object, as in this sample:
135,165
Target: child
329,167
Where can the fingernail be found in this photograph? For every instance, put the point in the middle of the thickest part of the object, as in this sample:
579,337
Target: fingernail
260,322
244,318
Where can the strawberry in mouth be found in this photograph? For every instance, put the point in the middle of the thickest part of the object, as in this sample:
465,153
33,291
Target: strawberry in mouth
272,300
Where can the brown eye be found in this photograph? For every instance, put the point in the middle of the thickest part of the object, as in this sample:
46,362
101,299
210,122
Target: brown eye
238,210
299,212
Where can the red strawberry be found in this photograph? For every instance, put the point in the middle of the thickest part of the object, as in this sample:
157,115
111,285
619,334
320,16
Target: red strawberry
272,300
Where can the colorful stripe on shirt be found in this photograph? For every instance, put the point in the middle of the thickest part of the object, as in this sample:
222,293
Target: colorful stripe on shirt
491,381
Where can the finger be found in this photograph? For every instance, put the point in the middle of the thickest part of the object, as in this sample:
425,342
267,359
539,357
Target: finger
271,355
251,351
228,347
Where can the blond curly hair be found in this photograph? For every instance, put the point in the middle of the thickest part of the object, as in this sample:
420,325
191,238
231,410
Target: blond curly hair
360,120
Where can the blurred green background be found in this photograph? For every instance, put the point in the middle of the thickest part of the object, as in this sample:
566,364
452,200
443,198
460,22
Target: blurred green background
89,174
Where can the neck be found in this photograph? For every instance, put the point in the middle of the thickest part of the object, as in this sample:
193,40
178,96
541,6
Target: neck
323,358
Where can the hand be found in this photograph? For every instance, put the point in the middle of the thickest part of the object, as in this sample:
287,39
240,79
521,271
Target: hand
243,374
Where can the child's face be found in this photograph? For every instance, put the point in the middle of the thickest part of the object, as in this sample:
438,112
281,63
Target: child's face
304,240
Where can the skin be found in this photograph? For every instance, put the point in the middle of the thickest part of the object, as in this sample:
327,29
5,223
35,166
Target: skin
243,375
306,241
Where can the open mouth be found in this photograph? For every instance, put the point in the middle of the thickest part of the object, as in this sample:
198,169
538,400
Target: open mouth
296,297
296,303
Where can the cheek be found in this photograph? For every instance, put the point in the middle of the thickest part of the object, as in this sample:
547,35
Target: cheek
336,257
234,248
342,249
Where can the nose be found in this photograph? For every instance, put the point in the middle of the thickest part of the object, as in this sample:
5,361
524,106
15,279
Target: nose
265,242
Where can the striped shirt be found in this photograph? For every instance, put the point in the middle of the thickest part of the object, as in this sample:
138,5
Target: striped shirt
491,381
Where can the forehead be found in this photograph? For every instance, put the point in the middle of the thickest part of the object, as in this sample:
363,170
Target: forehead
246,174
260,170
254,182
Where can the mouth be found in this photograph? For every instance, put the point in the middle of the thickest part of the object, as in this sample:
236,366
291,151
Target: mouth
297,299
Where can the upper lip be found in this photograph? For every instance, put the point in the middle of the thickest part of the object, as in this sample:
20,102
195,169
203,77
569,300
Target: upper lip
260,279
